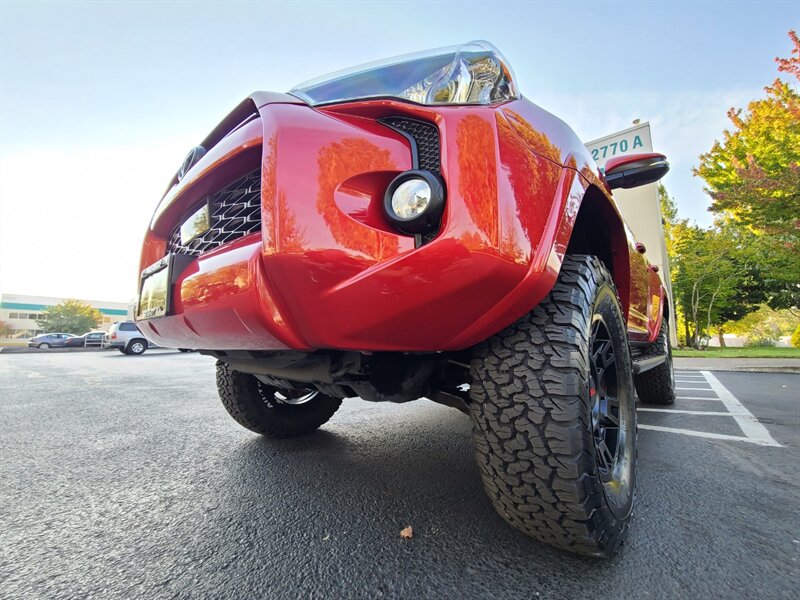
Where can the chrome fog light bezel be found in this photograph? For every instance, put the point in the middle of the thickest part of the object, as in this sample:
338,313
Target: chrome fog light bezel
429,219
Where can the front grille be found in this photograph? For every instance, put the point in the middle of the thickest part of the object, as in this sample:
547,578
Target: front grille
235,211
425,138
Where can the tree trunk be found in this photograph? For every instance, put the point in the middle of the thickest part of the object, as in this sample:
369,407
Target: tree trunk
721,334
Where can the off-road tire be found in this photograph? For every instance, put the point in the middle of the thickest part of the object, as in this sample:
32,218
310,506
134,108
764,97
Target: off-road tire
657,386
532,416
251,404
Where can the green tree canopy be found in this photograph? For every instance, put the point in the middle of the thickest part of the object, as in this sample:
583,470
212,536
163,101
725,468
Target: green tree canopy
715,276
753,177
71,316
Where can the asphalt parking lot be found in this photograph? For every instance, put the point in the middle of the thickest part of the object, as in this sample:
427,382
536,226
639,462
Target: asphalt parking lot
123,477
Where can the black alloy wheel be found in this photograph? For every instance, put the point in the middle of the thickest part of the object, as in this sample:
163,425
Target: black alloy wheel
611,422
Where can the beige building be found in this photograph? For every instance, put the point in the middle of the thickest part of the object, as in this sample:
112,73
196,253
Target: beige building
21,313
639,206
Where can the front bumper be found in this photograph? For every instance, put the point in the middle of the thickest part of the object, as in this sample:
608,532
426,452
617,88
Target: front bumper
327,269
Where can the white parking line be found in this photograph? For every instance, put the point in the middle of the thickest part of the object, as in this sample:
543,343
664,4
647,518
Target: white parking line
754,432
705,434
707,413
744,418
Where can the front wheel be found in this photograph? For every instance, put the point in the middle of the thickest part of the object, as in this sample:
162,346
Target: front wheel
43,346
272,411
554,420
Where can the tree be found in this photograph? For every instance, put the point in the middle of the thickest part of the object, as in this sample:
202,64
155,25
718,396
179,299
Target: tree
765,324
71,316
753,178
715,278
6,330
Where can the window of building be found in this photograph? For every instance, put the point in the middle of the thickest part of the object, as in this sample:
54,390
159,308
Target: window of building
14,315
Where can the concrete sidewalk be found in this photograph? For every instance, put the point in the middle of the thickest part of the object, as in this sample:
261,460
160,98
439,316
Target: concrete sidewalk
753,365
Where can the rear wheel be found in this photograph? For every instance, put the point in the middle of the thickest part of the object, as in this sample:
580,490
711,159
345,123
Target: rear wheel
657,386
272,411
554,419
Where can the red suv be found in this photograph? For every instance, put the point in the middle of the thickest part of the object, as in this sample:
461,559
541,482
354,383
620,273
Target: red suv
416,228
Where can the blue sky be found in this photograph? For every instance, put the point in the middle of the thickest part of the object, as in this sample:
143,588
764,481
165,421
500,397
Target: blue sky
100,102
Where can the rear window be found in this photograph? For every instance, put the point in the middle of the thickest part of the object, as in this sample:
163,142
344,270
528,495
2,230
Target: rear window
128,327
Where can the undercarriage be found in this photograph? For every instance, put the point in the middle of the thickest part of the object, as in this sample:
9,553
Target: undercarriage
376,377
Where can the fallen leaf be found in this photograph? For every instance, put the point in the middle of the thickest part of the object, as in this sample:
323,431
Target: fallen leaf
327,537
407,533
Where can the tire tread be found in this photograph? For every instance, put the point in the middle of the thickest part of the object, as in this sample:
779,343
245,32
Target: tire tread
531,419
242,397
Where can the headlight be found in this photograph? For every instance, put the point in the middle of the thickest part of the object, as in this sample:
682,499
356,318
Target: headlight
473,73
414,202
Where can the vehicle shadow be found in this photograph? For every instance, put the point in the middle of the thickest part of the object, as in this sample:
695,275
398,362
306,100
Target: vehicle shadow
337,493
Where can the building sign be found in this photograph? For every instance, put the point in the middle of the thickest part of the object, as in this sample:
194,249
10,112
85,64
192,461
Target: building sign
631,141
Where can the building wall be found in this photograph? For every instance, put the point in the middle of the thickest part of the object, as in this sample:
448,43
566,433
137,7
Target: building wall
640,206
21,312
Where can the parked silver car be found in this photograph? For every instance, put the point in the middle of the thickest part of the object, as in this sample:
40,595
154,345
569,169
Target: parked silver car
49,340
125,337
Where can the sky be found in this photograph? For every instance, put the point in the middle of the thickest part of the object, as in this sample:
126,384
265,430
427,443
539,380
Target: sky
100,102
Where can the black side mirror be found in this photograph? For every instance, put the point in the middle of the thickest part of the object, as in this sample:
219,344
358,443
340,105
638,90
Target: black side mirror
633,170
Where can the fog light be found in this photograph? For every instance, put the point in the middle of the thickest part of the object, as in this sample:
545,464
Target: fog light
414,202
411,198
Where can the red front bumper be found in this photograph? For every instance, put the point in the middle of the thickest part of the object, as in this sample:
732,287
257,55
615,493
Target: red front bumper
328,270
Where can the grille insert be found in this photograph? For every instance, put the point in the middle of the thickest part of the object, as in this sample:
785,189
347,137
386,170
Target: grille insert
235,211
425,138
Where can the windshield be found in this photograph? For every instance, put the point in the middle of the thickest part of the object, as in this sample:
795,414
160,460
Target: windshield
473,73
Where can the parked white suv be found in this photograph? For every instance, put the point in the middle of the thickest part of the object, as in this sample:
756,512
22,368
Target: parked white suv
125,337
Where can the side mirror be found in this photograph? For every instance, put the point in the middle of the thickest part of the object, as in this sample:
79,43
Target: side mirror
633,170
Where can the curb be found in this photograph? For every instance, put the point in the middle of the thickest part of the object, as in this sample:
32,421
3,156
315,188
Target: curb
742,369
25,350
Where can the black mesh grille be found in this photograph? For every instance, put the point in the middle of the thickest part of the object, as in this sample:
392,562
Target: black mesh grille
426,138
235,212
